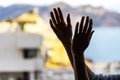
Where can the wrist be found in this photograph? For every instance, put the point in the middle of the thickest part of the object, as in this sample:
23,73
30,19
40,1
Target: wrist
78,55
78,52
79,59
67,43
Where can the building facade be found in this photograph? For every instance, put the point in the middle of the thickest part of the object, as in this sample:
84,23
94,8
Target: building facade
20,56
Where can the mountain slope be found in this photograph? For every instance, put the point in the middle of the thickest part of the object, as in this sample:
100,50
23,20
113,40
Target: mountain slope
100,15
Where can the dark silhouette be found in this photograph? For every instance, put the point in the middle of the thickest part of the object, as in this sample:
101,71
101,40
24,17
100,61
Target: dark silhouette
81,39
75,47
63,31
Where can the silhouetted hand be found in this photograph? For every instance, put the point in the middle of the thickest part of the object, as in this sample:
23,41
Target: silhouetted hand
62,29
82,35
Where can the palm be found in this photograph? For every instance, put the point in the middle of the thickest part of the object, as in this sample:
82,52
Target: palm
62,29
82,36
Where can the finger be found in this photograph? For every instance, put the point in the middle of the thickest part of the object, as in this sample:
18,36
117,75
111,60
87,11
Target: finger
57,15
69,22
90,27
52,26
86,24
60,14
76,29
53,18
81,24
91,35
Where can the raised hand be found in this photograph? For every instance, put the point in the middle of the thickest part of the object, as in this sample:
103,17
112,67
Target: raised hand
62,29
82,35
81,40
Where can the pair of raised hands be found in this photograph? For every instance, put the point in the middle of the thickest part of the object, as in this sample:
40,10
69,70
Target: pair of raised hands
76,45
63,30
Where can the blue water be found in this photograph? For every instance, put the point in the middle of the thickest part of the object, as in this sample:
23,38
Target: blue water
104,45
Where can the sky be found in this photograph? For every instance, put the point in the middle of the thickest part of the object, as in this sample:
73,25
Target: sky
113,5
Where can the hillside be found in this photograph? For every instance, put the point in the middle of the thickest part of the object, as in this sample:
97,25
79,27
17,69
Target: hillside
100,15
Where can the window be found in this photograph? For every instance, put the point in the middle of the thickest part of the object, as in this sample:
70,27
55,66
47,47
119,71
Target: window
26,76
36,74
30,53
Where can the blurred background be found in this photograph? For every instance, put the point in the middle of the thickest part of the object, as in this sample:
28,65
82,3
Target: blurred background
29,49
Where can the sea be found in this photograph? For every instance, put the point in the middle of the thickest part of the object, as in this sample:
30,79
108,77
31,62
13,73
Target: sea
104,45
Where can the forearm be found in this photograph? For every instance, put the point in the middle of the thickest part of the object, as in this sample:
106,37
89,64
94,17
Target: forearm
68,48
69,53
80,67
70,56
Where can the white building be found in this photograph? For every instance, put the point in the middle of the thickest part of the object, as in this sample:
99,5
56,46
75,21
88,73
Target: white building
20,57
107,67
